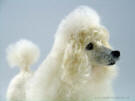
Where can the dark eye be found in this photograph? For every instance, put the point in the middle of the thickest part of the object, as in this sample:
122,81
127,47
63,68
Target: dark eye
89,46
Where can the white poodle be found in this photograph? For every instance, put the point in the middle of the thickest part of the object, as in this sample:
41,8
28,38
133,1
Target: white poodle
80,66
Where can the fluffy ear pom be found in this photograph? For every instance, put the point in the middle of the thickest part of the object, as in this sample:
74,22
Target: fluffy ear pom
22,54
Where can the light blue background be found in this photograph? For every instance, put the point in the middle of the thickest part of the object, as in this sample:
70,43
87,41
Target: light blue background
37,20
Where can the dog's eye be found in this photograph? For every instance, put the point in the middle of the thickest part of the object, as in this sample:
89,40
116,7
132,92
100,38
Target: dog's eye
89,46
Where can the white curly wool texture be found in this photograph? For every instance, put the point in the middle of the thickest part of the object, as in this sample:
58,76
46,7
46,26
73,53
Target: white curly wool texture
22,54
80,19
53,82
66,74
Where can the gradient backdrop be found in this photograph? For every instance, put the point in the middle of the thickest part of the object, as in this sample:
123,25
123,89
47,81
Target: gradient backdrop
37,20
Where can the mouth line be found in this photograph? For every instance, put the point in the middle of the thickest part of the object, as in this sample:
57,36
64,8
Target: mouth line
112,63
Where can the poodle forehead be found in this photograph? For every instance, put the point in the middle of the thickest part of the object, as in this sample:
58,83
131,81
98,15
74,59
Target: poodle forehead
92,33
84,36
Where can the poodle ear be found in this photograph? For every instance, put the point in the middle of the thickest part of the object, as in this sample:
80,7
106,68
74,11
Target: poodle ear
75,63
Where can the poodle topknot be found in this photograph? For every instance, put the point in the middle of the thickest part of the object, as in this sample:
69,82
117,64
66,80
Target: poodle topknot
80,66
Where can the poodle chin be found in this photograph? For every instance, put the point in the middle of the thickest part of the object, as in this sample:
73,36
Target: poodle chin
80,66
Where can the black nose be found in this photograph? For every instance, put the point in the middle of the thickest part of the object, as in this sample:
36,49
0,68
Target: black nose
115,54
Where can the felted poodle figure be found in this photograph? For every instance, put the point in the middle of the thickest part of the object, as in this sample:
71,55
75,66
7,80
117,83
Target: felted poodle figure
80,66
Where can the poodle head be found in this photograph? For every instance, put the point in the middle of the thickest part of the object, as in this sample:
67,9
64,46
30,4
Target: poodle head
93,44
85,42
98,49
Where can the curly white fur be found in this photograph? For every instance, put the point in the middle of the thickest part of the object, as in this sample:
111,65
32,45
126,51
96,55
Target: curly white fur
21,54
69,73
